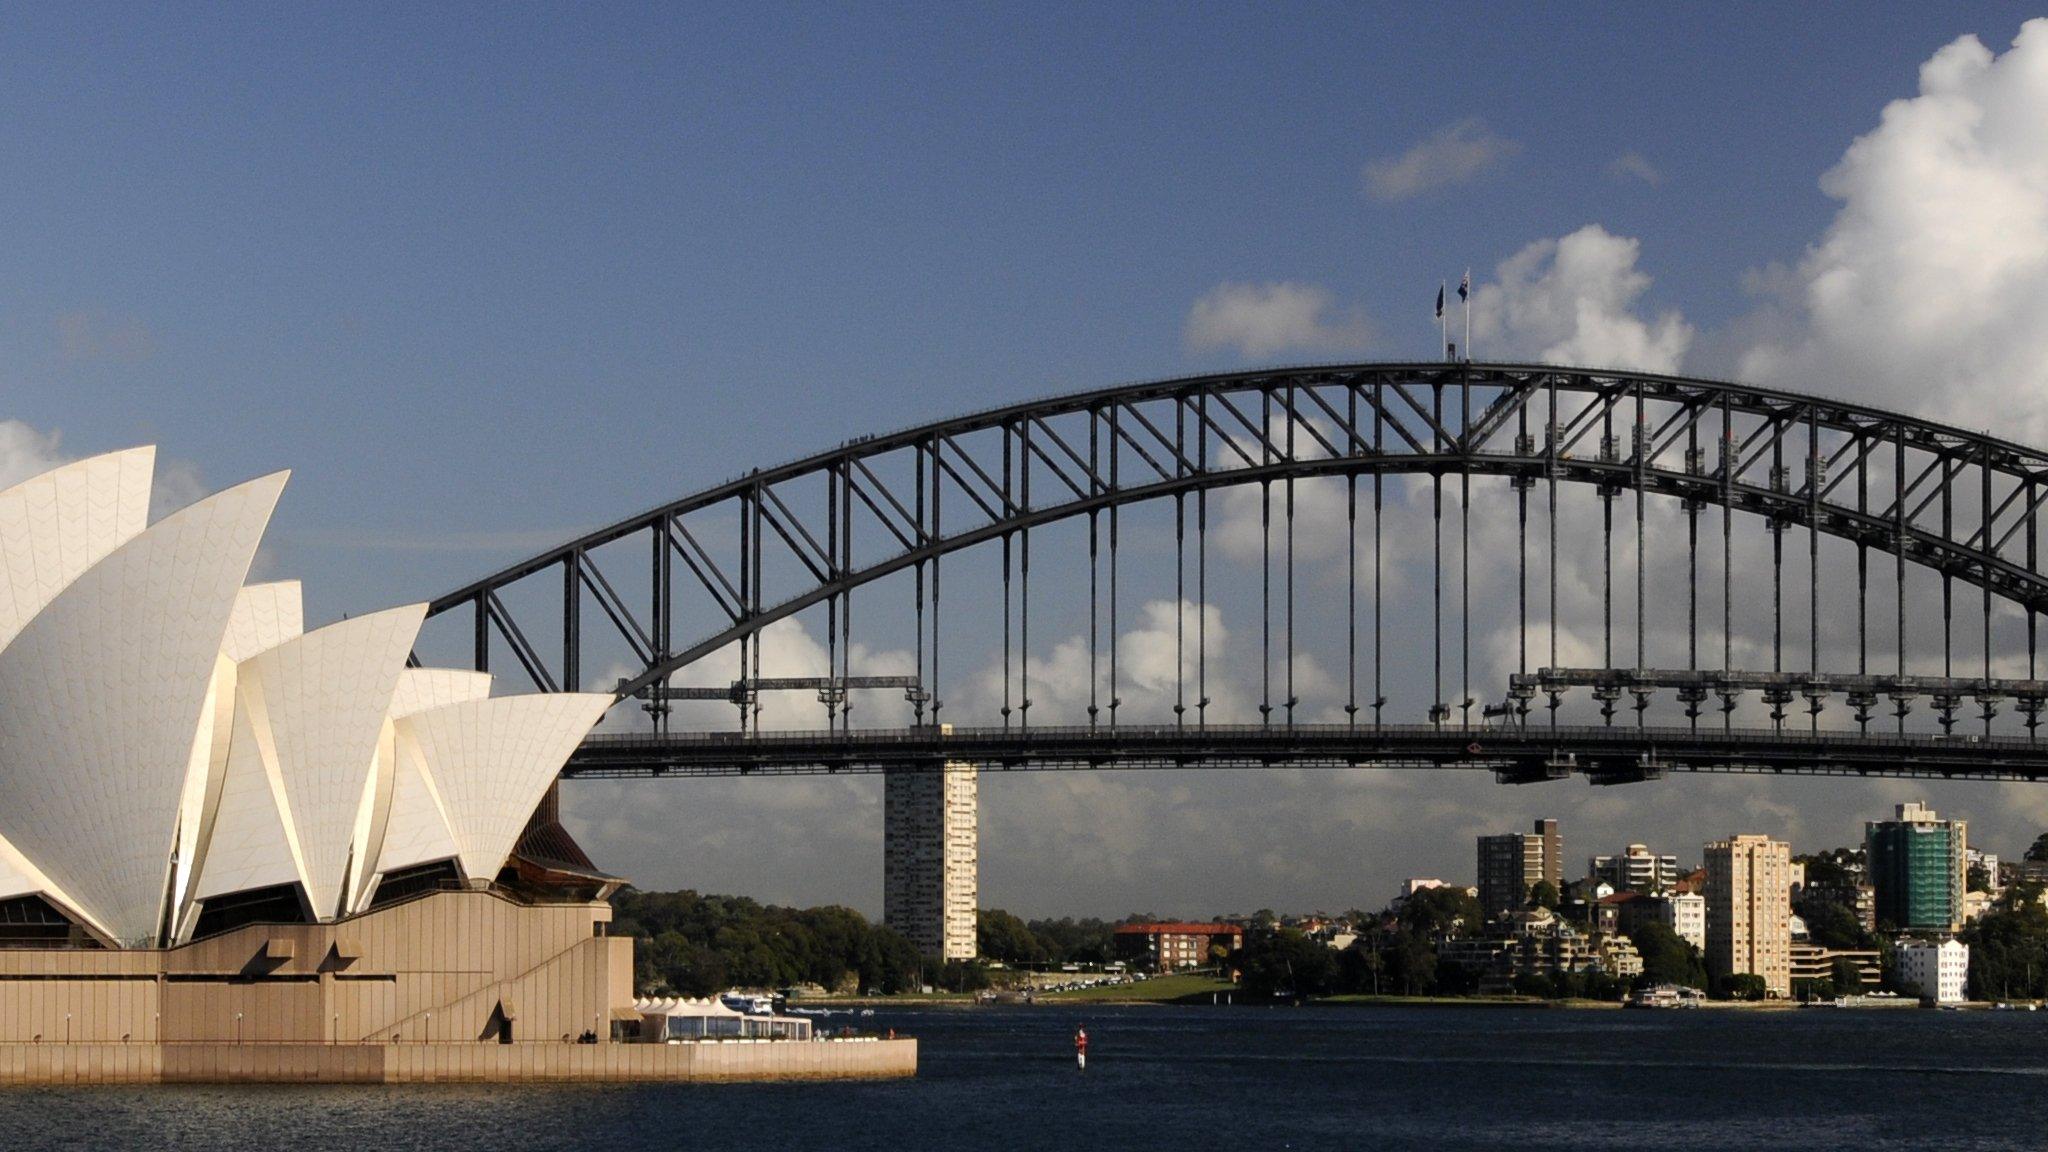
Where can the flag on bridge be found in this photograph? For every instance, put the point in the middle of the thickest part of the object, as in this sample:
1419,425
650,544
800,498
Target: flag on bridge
1464,288
1439,301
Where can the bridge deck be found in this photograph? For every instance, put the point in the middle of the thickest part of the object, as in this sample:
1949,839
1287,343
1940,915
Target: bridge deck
1515,755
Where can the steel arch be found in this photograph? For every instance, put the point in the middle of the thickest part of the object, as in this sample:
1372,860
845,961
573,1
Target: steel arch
1795,460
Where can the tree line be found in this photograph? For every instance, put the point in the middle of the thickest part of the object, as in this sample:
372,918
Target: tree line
698,945
1397,955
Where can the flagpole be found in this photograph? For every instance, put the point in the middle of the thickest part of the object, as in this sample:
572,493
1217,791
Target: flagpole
1443,326
1465,295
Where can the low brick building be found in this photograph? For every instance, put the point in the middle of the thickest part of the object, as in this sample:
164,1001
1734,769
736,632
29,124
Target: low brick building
1171,947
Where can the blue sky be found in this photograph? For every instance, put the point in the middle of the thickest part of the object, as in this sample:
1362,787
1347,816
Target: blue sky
485,275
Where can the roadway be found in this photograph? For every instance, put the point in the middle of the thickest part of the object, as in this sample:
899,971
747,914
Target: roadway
1599,754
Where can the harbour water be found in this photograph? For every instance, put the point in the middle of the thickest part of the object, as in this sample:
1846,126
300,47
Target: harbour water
1197,1078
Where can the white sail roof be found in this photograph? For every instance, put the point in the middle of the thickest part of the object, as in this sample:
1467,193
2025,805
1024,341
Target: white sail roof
417,831
252,845
20,877
422,688
265,616
104,689
56,525
316,707
203,774
491,761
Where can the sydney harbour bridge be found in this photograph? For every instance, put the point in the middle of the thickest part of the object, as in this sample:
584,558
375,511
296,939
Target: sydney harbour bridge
1661,574
1855,591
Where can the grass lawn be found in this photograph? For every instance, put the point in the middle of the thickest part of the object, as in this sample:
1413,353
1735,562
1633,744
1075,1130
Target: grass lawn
1464,1001
1157,990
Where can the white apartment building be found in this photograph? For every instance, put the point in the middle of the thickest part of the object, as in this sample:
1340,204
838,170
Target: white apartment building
1937,970
1637,869
1685,913
931,858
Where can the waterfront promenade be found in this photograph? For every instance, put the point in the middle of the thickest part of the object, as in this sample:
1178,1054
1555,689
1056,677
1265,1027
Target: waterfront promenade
706,1062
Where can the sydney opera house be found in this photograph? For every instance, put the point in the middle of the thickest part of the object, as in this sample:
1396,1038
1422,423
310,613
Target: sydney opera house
233,848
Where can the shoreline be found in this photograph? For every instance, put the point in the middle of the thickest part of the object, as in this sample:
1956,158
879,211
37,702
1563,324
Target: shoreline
1357,1000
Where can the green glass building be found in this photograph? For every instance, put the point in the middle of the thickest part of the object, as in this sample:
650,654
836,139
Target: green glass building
1916,865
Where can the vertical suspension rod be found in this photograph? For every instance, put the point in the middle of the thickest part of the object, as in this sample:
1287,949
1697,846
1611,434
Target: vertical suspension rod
1115,525
1202,565
1180,564
1265,559
1899,546
1379,444
1465,542
1351,561
1024,577
1290,553
1437,709
1094,561
1813,479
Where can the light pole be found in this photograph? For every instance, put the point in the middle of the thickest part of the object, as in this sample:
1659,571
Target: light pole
238,1027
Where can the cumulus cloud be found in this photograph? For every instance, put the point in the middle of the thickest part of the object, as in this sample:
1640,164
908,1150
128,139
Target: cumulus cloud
1635,166
97,336
177,483
26,451
787,649
1452,155
1574,300
1929,287
1262,319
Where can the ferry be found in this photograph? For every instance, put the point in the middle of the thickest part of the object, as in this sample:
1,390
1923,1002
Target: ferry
1664,996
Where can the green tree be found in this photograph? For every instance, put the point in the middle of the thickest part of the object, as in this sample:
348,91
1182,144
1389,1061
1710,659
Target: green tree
1741,986
1440,912
1285,962
2009,951
1412,968
961,976
1832,926
2038,850
1847,976
1543,894
1825,869
1667,959
1083,941
1002,937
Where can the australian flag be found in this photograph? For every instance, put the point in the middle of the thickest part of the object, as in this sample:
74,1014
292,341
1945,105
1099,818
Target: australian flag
1464,291
1439,301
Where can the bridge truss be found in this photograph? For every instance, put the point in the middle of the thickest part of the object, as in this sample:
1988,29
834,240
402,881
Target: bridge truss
717,567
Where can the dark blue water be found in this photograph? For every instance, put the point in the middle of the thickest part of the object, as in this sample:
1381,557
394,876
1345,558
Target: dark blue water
1189,1078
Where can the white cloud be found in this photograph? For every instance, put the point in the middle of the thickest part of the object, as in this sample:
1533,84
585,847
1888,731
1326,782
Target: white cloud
26,452
1574,300
176,485
1635,166
788,649
93,335
1929,287
1262,319
1452,155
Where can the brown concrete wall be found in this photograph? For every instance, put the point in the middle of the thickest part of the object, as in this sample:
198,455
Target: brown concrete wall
436,968
452,1063
413,992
